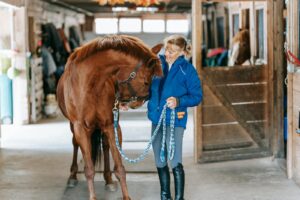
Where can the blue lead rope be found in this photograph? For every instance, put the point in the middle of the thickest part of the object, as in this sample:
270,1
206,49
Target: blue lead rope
162,119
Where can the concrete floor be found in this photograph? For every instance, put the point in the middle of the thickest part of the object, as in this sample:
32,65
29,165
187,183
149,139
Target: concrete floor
35,159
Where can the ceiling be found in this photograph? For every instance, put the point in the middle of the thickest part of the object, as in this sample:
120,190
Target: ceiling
92,7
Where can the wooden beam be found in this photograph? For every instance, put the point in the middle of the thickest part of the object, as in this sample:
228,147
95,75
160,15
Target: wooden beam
197,43
290,127
270,57
278,142
234,154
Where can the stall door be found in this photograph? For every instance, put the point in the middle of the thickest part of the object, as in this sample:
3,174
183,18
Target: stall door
234,113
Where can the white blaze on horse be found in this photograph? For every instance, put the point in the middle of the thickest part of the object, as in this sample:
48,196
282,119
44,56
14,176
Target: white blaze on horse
240,51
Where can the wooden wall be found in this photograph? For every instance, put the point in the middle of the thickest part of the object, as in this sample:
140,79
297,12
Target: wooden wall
293,121
293,150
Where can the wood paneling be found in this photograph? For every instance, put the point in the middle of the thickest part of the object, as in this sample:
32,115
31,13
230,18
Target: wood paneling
225,136
236,74
219,114
244,93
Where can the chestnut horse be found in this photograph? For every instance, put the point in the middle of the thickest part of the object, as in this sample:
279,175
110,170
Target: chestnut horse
241,50
114,67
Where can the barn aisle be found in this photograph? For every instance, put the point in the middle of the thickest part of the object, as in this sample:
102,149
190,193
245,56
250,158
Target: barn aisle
35,159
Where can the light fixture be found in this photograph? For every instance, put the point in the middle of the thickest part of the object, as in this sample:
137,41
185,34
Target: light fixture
144,3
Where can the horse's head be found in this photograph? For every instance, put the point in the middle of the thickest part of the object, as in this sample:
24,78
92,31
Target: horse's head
240,48
135,85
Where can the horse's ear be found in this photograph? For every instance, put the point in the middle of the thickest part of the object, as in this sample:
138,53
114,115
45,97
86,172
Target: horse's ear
158,69
157,48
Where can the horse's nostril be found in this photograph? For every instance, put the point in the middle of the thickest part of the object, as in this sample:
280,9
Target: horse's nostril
146,83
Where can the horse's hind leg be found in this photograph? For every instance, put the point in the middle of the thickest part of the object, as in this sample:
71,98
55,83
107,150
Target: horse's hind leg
72,182
83,138
119,168
109,184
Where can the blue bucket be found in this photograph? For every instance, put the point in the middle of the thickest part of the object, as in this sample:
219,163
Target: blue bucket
6,100
285,128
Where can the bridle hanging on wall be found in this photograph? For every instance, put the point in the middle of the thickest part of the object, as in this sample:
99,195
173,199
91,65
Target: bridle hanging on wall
290,56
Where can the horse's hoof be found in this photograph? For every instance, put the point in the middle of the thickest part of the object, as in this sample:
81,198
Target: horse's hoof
72,183
112,187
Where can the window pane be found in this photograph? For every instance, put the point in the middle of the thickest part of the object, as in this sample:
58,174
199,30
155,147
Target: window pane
221,31
5,32
177,26
131,25
260,33
236,23
106,25
154,25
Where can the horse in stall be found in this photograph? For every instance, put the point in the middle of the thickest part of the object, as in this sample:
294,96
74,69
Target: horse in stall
241,51
112,68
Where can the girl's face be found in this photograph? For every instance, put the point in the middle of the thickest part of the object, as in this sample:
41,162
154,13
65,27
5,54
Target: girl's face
172,52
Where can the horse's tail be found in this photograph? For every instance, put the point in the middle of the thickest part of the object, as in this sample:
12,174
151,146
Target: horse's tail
96,141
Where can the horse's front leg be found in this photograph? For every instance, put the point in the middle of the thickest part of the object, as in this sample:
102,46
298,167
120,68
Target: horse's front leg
83,138
109,184
119,168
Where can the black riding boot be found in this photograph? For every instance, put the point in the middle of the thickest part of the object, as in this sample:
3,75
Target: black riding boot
164,179
178,173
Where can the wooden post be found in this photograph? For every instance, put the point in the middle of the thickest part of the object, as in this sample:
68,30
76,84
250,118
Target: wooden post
290,127
292,39
197,43
278,141
270,56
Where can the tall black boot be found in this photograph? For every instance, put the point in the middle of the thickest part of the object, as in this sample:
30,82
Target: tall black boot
164,179
178,173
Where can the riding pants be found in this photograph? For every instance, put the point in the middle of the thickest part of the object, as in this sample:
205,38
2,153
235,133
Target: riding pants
178,136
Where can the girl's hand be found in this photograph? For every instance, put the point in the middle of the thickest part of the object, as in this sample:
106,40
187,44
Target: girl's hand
172,102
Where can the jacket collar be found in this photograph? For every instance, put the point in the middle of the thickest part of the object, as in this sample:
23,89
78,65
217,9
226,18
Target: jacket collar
177,62
176,66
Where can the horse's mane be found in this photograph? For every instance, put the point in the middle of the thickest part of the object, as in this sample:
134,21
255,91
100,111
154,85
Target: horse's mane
127,44
242,35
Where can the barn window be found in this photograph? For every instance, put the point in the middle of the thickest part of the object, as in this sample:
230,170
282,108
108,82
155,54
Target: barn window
177,26
106,25
203,33
220,31
235,23
209,35
154,25
130,25
260,33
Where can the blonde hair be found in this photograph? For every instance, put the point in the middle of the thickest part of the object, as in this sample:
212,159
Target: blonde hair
181,42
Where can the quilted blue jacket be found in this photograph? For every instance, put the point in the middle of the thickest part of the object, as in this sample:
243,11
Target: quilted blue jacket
181,82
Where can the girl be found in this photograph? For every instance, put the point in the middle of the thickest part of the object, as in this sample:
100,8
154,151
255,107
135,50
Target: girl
180,87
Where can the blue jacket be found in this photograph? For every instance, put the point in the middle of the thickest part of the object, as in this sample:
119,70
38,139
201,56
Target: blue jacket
181,82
